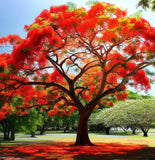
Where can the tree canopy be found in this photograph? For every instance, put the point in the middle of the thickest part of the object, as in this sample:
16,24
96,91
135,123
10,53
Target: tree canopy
76,58
132,113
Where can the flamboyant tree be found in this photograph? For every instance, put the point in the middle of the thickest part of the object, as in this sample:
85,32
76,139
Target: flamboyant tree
75,59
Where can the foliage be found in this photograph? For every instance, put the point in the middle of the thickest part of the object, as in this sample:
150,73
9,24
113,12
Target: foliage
132,113
147,4
10,126
31,121
70,122
73,58
12,122
135,95
46,122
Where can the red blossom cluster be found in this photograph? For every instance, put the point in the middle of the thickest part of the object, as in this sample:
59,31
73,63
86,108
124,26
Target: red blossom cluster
5,110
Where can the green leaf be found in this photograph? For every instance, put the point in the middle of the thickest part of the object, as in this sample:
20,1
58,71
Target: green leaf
41,18
36,25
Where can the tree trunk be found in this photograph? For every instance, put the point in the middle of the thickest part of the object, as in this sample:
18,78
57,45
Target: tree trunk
145,134
82,138
6,135
66,128
42,130
107,130
133,129
33,134
12,135
5,132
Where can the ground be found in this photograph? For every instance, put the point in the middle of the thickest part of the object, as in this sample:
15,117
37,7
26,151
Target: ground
59,147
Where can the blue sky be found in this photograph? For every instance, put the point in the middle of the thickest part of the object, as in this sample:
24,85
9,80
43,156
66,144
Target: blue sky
14,14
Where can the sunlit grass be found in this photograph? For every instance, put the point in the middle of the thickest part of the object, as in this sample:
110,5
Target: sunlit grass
112,139
139,141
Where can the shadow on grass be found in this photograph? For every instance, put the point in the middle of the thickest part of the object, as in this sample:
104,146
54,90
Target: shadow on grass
65,151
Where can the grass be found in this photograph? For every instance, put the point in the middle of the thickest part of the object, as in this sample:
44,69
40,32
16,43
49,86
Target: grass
61,148
113,136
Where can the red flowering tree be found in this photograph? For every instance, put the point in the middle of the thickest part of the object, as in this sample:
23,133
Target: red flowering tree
75,59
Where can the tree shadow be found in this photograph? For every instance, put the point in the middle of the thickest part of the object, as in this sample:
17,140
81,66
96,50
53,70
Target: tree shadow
65,151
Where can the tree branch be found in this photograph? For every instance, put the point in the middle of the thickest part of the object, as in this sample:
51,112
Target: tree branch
58,68
86,68
82,89
47,84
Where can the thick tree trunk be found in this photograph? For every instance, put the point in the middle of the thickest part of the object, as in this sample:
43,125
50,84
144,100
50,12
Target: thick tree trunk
82,131
144,132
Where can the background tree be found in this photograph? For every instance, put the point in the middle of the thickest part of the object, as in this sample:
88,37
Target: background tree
47,122
96,125
135,95
31,122
77,58
132,113
70,123
9,126
11,121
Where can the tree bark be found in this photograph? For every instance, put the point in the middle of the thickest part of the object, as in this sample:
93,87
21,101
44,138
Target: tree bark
133,129
33,134
6,135
107,130
66,128
12,135
42,130
145,134
82,138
